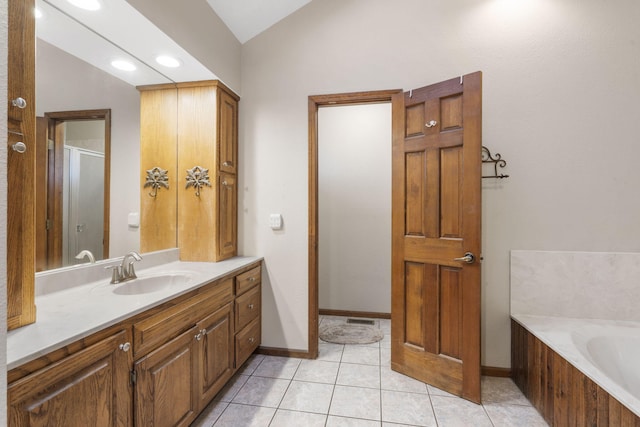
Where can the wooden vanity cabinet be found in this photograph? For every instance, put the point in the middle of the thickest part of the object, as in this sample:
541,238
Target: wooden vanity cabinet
90,387
160,367
184,126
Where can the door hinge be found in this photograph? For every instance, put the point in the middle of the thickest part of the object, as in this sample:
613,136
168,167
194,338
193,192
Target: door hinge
50,144
133,377
47,224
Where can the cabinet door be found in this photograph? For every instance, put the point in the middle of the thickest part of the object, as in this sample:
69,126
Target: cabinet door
227,214
164,394
158,149
88,388
216,358
227,132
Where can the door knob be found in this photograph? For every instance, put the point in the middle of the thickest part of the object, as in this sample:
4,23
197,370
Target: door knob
468,257
19,102
19,147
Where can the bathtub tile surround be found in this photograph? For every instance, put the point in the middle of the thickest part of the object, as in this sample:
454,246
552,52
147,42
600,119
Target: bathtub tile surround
582,306
586,285
345,387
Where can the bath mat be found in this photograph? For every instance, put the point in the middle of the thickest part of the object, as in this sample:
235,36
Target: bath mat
350,334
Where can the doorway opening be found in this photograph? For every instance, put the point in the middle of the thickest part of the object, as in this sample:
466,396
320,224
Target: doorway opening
316,102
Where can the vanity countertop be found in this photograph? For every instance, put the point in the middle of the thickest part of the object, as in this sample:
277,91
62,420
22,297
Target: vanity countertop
71,314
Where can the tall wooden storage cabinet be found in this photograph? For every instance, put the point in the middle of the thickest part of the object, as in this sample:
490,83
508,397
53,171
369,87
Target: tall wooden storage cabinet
189,130
21,123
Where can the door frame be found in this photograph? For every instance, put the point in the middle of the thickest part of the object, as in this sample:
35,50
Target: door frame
54,178
314,103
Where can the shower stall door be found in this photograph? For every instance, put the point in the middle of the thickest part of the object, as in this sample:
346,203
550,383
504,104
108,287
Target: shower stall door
83,204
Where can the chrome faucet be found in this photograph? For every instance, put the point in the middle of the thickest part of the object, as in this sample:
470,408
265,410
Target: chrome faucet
86,253
125,271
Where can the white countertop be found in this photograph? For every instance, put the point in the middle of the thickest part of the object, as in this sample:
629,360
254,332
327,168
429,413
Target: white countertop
67,315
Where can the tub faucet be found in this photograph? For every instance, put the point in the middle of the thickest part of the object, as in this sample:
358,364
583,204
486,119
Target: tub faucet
86,253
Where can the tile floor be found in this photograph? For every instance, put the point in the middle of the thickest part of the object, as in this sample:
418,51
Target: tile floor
353,386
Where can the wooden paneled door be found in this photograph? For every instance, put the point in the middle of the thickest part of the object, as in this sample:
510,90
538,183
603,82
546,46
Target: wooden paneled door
436,217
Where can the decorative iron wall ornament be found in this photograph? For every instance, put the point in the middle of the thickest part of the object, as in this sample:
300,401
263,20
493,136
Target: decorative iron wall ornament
156,178
198,177
497,162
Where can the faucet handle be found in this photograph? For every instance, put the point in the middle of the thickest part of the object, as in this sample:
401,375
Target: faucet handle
116,276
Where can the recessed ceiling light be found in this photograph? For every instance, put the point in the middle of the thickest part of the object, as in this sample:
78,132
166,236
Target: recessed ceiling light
38,13
86,4
168,61
123,65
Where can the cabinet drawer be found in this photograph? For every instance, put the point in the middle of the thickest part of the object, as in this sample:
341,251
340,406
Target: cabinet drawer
246,281
247,307
247,341
166,324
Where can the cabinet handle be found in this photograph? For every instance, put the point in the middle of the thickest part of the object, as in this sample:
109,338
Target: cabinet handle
227,163
251,340
125,347
431,123
252,279
250,306
19,102
19,147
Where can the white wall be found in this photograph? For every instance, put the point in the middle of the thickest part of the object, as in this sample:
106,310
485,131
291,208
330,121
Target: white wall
560,104
354,207
63,82
3,212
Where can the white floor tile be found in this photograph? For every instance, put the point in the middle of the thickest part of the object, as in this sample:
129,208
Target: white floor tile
284,418
308,397
356,402
260,391
230,390
330,352
514,415
407,408
277,367
395,381
317,371
361,355
245,416
251,364
210,414
334,421
453,411
503,391
359,375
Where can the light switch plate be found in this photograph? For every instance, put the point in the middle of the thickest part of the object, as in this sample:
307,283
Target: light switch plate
134,219
275,221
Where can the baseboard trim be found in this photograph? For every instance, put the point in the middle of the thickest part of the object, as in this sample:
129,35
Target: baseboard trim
491,371
284,352
351,313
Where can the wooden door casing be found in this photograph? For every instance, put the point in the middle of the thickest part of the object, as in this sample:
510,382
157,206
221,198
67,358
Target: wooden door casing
90,387
436,214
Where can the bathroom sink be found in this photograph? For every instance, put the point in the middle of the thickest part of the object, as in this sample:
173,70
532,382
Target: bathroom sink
148,284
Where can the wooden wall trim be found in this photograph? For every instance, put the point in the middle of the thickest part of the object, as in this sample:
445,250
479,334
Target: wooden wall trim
284,352
491,371
351,313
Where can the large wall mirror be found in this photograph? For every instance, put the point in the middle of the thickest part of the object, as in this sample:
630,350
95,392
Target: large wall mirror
79,97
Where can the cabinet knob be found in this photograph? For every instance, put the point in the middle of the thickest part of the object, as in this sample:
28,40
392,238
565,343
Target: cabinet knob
19,102
252,340
252,279
19,147
199,336
125,347
250,306
227,163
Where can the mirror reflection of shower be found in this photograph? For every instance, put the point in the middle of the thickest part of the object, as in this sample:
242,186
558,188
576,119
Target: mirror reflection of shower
83,189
